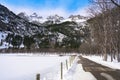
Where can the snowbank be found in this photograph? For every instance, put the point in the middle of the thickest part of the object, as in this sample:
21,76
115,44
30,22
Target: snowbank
76,72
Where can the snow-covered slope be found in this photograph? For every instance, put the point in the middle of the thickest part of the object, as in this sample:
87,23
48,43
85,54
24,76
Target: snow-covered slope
3,44
51,30
76,18
13,23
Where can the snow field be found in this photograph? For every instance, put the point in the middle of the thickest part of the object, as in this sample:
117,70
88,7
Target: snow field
25,67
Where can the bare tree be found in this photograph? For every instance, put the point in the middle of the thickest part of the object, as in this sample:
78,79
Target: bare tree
105,27
116,2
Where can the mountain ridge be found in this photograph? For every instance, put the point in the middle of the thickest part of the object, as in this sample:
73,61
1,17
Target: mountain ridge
53,33
55,18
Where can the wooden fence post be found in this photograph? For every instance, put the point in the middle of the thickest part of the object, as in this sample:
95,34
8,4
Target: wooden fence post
66,64
38,77
70,61
61,70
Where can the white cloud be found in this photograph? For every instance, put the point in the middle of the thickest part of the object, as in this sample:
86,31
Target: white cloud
46,11
42,12
82,11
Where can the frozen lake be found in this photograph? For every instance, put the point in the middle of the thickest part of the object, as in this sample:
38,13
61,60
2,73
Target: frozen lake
25,67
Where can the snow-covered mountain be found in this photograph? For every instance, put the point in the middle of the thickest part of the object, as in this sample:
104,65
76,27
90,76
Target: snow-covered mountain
15,24
10,23
76,18
35,17
50,32
24,16
55,19
52,19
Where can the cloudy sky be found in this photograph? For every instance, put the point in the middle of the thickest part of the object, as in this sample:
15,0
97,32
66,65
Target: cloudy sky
47,7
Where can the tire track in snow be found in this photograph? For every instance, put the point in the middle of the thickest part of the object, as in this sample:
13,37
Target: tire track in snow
107,76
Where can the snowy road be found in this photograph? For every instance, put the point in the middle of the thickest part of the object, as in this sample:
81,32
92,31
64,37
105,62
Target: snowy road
99,71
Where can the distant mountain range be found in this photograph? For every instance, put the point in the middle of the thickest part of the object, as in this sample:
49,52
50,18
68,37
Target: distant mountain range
53,31
56,19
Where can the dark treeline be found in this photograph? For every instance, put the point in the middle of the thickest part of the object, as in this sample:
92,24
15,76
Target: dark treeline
51,51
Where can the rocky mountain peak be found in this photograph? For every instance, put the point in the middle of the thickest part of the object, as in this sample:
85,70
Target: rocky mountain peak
74,17
55,18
